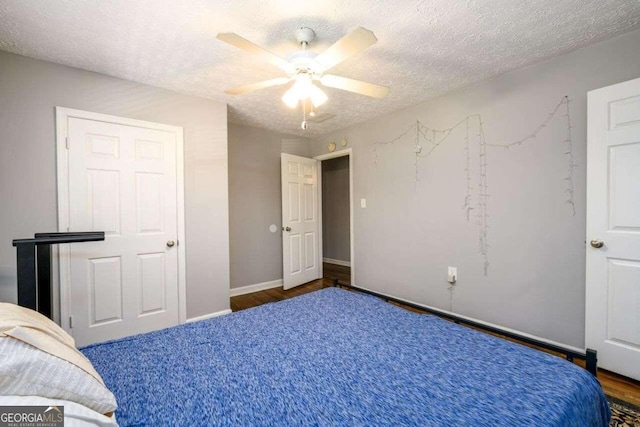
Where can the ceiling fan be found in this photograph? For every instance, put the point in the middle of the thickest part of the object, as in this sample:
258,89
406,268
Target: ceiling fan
305,67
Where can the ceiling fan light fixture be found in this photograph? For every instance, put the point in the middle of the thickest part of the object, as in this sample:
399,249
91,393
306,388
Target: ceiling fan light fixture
302,89
317,96
290,98
298,91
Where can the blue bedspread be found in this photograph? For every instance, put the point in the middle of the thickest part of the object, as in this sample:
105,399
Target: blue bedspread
339,358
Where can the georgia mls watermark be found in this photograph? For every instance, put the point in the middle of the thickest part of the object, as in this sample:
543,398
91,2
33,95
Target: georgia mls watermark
31,416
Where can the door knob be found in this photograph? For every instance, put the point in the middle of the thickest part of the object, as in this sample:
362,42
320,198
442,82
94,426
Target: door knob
170,243
597,243
286,228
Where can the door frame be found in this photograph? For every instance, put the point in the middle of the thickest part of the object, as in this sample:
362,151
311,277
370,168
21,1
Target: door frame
352,261
60,254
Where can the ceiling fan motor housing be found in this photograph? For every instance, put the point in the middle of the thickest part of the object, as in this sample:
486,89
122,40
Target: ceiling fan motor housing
305,35
303,61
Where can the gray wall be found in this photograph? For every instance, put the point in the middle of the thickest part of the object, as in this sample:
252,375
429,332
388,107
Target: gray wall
255,202
412,230
296,146
29,91
335,209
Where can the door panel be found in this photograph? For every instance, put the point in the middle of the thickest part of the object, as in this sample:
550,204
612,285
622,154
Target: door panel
310,250
149,202
309,202
624,112
299,213
613,218
103,200
149,150
106,289
152,283
624,307
103,146
122,180
295,248
624,199
294,202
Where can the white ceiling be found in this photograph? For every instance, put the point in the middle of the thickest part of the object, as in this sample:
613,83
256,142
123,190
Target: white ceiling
425,47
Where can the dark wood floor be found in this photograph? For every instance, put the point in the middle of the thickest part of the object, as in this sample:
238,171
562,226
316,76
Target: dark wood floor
331,271
614,385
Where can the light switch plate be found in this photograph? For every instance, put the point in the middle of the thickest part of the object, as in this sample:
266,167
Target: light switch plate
363,203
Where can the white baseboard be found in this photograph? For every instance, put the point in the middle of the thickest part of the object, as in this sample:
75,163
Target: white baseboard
234,292
336,262
209,316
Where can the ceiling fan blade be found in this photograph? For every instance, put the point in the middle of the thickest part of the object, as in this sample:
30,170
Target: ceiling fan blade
260,52
357,86
354,42
258,85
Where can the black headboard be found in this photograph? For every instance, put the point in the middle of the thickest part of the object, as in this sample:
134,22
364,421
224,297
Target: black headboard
34,266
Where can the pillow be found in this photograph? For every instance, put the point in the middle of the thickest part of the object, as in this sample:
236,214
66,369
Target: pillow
38,358
33,328
74,414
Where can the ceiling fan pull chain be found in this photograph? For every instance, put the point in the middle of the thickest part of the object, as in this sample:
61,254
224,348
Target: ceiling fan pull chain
304,123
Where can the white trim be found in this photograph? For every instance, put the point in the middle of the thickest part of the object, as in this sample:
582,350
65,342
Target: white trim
182,235
249,289
61,252
209,316
336,262
493,325
88,115
319,214
61,280
340,153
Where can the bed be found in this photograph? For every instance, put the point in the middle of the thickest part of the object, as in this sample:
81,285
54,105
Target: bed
335,357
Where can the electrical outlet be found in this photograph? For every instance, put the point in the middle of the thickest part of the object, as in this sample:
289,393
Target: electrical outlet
452,275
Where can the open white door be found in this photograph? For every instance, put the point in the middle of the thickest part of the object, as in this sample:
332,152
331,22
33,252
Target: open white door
300,223
613,227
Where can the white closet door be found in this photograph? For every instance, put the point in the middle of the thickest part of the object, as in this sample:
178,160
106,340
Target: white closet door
122,180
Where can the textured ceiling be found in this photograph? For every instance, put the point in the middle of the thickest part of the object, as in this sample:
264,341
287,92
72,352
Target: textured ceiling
425,47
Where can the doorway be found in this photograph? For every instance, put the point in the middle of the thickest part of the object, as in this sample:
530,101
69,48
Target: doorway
336,216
